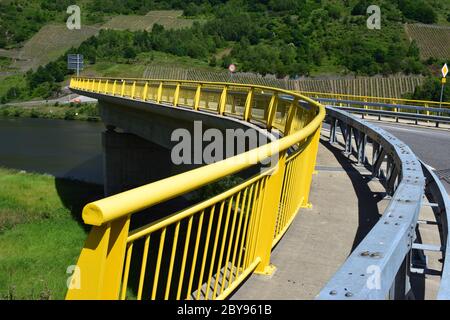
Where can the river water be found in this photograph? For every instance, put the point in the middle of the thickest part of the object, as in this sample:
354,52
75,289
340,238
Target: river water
65,149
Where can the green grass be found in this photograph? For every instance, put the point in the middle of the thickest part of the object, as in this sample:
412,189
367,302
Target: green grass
41,233
84,112
111,69
8,82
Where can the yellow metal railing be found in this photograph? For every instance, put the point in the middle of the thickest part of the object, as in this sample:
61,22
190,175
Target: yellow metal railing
204,251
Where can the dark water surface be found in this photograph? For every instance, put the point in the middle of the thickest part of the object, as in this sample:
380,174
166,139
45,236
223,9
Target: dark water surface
65,149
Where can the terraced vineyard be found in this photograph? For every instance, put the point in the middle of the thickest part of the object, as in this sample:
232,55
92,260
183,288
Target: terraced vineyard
50,43
391,87
170,19
433,41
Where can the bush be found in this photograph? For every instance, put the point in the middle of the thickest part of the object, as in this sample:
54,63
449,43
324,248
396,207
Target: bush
34,113
431,90
418,10
5,112
17,113
70,114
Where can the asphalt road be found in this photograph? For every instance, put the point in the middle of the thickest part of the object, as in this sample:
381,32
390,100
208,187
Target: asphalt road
62,100
431,145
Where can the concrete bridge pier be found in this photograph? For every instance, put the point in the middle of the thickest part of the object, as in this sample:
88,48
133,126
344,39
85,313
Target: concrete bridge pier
137,144
131,161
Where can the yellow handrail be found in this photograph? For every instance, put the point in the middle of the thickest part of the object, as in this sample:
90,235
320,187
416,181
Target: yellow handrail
241,225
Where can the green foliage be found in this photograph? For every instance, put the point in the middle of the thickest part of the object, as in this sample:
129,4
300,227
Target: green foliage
285,38
431,90
70,114
418,10
216,188
40,219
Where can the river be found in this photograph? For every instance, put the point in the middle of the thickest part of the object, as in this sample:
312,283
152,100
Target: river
64,149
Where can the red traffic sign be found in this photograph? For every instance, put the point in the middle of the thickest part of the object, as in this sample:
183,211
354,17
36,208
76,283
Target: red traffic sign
232,68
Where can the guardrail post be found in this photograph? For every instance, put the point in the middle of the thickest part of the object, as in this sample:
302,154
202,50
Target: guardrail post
401,287
248,105
92,85
439,114
267,221
159,96
198,93
123,88
98,86
348,140
223,100
114,88
309,164
100,265
365,108
133,89
106,86
292,112
362,140
145,92
176,96
271,111
333,127
396,110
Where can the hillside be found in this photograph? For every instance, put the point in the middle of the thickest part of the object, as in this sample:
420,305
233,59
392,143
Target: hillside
49,43
433,41
283,38
170,19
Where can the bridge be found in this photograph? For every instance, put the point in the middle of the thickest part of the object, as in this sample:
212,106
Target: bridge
276,217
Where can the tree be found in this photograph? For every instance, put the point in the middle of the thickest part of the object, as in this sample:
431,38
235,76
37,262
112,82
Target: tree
213,61
431,90
418,10
129,53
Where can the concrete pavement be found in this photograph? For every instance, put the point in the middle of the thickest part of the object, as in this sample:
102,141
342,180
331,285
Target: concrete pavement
346,204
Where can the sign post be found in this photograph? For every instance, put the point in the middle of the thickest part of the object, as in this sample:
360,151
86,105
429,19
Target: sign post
232,69
444,80
75,62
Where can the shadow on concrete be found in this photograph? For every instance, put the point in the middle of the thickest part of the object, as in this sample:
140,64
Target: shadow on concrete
368,214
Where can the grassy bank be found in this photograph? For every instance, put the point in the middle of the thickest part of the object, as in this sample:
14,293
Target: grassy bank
83,111
41,232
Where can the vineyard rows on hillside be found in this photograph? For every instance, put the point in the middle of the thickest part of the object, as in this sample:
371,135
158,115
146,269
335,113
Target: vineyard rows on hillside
390,87
49,43
433,41
170,19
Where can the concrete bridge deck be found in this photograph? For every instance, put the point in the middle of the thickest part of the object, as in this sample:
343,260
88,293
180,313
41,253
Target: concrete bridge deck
347,203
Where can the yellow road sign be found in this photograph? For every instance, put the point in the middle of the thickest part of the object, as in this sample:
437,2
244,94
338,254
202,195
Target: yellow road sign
445,71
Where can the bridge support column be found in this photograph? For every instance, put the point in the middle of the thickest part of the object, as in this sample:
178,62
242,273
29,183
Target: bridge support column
130,162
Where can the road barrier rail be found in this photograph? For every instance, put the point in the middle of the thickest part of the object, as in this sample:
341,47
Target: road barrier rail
381,264
204,251
397,111
376,100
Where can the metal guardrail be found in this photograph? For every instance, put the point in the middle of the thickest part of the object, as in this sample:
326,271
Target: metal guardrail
397,111
438,196
207,250
379,267
373,99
